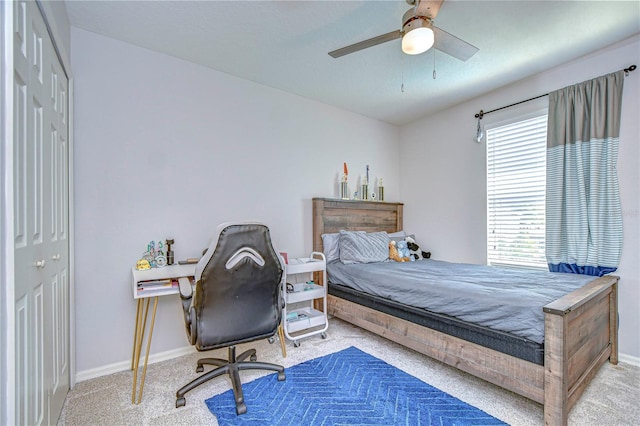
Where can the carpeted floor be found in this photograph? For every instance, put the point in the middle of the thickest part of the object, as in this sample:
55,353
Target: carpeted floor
611,398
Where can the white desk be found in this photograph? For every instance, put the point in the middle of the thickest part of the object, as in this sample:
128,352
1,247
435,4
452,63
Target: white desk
168,272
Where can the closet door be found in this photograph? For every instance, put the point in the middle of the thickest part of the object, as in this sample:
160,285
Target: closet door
41,243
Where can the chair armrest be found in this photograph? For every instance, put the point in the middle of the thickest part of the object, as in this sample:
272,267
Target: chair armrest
184,285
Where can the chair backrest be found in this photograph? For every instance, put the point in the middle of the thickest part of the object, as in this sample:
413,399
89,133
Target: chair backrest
238,288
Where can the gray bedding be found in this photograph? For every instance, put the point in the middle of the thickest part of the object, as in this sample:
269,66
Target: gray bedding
499,298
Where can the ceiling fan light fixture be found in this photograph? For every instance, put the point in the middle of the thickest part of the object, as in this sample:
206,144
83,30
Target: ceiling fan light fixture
418,36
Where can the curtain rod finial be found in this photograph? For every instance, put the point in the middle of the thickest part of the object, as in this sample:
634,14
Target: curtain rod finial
480,114
628,70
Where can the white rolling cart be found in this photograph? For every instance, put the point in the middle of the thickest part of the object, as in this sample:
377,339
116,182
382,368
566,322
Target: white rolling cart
300,318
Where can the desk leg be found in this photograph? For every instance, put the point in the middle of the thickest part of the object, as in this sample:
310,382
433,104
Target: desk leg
135,332
141,325
141,317
146,355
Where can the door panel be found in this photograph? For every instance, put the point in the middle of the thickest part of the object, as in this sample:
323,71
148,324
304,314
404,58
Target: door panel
41,196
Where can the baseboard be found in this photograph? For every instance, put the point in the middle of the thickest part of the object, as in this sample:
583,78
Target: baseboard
126,365
633,360
174,353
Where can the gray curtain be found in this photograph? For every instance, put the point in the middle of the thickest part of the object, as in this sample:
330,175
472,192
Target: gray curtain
583,210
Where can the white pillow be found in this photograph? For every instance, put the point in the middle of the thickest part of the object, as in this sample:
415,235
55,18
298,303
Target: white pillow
358,247
397,236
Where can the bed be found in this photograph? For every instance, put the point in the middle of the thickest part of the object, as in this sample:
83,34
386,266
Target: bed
580,328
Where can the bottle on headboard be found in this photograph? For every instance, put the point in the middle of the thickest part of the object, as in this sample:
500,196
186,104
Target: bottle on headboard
380,190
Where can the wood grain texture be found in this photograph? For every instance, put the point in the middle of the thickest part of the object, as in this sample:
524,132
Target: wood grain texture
580,327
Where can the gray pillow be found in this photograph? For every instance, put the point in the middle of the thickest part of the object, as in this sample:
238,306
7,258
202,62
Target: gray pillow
356,247
331,246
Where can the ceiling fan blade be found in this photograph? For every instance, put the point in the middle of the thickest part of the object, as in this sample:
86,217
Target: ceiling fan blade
429,8
366,43
452,45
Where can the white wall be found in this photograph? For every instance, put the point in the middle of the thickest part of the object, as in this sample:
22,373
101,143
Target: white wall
443,173
165,148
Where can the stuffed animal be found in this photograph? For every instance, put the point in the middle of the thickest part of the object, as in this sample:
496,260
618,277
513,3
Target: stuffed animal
403,251
415,251
393,252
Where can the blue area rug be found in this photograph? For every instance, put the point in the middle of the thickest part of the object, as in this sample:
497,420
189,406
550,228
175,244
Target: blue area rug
349,387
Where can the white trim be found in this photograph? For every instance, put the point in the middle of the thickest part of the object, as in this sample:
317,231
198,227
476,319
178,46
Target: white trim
72,233
126,365
7,297
629,359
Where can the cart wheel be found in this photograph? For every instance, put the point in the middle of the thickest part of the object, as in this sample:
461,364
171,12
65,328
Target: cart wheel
199,368
253,357
296,344
180,402
272,339
281,376
323,335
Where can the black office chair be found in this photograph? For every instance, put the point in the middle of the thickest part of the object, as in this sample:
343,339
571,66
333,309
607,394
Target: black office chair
237,299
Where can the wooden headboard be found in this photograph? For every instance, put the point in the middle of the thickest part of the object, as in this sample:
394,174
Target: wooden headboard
331,215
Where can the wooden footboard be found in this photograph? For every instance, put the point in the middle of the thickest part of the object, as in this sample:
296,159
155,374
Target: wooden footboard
581,328
581,333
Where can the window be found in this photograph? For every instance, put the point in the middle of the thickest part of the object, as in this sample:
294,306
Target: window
516,180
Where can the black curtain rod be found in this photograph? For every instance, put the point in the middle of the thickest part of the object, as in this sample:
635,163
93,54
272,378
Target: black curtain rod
482,113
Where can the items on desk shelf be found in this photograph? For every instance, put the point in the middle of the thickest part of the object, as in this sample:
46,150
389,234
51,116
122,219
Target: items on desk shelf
170,258
142,264
154,257
152,285
188,261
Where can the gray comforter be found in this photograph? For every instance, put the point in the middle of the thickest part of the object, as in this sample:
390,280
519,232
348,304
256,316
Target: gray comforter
499,298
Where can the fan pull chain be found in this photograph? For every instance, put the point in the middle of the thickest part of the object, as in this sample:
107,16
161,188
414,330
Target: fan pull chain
434,64
402,72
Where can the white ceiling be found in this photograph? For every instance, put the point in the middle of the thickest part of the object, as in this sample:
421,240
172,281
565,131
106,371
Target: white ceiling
284,44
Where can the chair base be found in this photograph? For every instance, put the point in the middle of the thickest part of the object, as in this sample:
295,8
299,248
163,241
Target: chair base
232,366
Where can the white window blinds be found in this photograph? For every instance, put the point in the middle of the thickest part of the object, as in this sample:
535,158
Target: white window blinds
516,179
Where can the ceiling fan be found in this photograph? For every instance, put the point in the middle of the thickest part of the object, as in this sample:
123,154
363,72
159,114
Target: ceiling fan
418,34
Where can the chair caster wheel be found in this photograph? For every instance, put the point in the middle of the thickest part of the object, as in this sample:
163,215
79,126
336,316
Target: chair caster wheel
253,357
241,409
296,344
272,339
199,369
323,335
180,402
281,376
